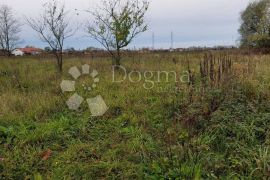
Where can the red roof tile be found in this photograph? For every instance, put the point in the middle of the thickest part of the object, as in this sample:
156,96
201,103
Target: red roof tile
30,50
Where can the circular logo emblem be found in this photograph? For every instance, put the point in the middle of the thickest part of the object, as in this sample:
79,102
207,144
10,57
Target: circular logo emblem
97,104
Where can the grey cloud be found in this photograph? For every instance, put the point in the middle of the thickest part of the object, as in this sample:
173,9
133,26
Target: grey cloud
202,22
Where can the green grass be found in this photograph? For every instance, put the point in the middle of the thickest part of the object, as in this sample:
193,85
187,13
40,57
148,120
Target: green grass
145,134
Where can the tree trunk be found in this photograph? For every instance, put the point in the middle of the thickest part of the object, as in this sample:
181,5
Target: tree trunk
59,59
9,53
118,58
117,61
61,62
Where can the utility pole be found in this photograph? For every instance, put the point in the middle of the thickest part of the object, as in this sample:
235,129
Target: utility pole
171,40
153,41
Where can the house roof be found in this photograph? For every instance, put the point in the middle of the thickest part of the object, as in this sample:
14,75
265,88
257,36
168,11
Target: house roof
30,50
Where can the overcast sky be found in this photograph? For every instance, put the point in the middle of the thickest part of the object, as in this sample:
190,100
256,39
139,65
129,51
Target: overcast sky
193,22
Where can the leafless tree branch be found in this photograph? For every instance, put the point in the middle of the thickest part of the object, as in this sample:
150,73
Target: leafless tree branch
53,28
9,30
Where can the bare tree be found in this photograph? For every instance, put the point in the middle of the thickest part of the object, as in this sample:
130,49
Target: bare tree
117,23
9,29
53,27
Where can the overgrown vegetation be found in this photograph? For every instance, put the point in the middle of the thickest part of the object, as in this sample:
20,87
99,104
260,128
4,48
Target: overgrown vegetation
215,127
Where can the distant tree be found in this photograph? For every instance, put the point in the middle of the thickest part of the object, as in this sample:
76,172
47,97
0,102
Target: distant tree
70,50
9,29
255,27
53,27
47,49
29,46
117,23
92,49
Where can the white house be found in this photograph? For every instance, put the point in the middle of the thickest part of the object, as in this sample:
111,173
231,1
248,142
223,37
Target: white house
17,52
26,51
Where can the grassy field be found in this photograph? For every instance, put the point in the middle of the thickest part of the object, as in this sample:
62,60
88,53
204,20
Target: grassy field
214,126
